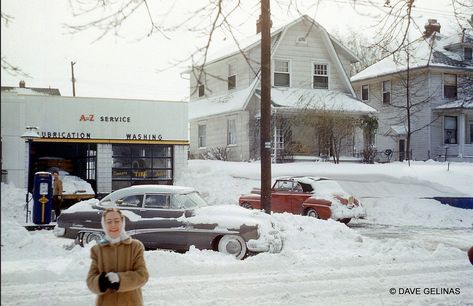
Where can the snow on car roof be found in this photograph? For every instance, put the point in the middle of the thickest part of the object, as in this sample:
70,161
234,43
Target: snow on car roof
148,189
320,185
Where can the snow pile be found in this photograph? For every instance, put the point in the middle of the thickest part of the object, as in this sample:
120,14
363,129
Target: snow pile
346,264
13,203
72,184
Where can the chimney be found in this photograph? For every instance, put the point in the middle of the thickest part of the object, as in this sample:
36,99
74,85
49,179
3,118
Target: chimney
258,25
430,27
22,84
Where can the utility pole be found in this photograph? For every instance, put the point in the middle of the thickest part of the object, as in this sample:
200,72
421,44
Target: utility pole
73,79
265,22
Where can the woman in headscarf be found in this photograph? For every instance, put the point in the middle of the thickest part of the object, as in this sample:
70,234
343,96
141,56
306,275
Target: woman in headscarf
118,269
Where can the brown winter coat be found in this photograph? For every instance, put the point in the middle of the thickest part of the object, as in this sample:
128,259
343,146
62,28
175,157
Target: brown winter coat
57,187
127,259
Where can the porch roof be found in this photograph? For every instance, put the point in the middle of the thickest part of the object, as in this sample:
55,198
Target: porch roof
457,104
396,130
317,99
225,103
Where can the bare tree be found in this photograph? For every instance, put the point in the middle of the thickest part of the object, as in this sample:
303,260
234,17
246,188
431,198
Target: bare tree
365,50
6,64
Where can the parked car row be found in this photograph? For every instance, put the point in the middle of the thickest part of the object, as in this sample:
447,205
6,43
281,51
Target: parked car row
175,218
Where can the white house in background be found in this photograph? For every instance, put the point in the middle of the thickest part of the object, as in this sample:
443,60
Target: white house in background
441,84
309,70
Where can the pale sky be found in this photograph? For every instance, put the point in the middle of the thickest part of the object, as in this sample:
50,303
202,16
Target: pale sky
124,67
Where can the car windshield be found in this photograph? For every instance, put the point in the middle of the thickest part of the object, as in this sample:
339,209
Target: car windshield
188,201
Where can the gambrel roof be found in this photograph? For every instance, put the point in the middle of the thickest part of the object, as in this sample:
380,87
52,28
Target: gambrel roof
253,41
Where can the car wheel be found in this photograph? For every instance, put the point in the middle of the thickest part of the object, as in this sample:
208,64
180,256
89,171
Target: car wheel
233,245
92,236
311,212
247,205
345,220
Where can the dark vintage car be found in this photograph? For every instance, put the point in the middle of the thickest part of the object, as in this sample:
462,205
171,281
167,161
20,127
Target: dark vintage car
174,218
308,196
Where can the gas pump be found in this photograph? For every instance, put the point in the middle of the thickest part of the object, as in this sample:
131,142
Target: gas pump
42,197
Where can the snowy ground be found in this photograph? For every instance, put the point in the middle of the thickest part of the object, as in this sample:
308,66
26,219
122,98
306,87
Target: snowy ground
412,246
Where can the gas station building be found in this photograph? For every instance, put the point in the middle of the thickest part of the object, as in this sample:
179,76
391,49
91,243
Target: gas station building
110,143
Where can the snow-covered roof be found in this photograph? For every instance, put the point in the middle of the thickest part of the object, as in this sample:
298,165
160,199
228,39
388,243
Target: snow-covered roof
31,91
317,99
424,52
252,41
396,130
289,98
230,102
457,104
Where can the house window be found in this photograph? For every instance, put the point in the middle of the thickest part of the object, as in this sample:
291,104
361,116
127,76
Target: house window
231,80
364,92
450,130
282,76
467,53
231,131
202,135
387,92
470,129
201,89
449,86
320,78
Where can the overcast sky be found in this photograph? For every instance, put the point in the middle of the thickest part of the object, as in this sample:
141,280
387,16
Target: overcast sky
123,66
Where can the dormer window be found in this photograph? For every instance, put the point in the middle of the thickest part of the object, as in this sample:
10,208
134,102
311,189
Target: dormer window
467,53
231,80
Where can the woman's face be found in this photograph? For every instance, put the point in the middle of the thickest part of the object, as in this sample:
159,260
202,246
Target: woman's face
113,224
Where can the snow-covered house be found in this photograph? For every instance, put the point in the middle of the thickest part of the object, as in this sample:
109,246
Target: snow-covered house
440,94
309,71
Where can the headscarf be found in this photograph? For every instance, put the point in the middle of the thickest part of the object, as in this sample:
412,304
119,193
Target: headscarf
123,234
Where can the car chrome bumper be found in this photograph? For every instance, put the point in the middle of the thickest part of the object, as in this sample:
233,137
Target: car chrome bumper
59,231
272,243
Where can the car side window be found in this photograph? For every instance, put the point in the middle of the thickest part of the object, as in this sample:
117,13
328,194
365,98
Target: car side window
130,201
157,201
298,188
284,185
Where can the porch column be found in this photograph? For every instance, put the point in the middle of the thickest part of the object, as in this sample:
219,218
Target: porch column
461,134
275,143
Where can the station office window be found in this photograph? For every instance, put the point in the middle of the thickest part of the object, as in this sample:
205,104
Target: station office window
282,76
141,164
450,130
364,92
